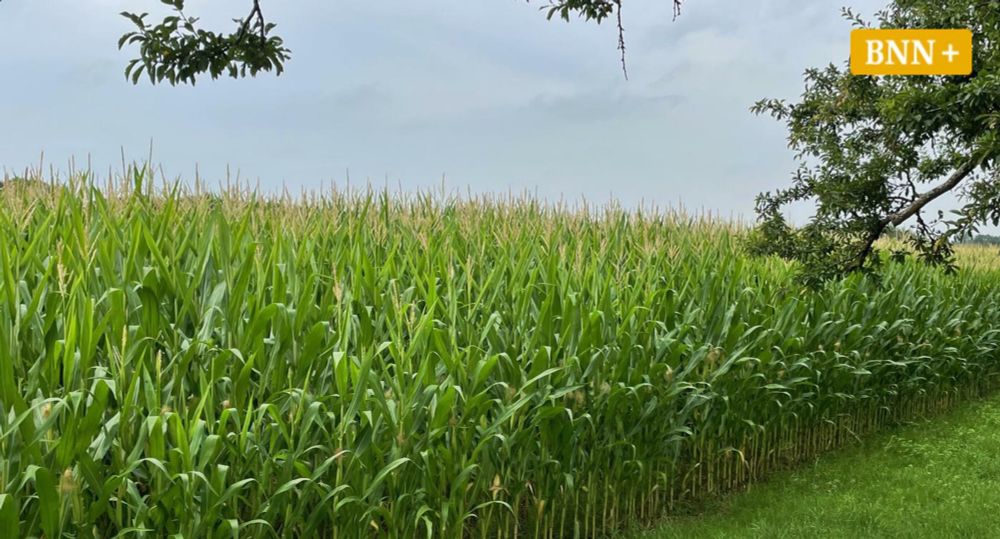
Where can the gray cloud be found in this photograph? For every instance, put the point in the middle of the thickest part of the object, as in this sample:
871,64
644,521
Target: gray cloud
490,94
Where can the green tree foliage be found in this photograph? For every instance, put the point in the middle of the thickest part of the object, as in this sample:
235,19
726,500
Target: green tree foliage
875,151
178,50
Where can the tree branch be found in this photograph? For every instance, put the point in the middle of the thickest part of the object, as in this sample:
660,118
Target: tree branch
899,217
621,36
960,174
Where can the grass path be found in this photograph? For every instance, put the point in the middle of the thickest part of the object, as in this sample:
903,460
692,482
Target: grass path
933,479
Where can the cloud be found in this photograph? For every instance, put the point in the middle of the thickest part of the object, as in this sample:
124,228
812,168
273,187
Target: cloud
488,93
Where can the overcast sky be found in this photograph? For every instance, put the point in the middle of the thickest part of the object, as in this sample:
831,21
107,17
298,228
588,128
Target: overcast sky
484,93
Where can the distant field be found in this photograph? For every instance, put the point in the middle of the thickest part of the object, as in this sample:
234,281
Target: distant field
980,257
967,256
356,365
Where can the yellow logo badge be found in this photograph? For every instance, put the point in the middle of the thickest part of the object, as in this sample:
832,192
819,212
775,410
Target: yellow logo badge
911,52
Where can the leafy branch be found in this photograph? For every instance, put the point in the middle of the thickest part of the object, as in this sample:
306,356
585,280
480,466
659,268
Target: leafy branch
598,11
177,50
875,152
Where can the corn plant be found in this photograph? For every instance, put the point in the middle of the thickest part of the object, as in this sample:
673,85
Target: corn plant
224,363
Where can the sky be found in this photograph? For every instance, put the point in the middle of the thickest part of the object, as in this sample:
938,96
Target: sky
474,95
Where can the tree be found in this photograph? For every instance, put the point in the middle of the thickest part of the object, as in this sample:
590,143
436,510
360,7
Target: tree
874,152
178,50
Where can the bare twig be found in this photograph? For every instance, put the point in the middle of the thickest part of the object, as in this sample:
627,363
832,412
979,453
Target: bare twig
255,12
621,36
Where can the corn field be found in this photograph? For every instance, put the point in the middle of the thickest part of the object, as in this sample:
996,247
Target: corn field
361,364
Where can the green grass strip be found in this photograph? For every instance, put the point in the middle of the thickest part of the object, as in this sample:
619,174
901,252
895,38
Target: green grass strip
932,479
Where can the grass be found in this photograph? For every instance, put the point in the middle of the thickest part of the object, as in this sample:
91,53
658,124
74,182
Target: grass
933,479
